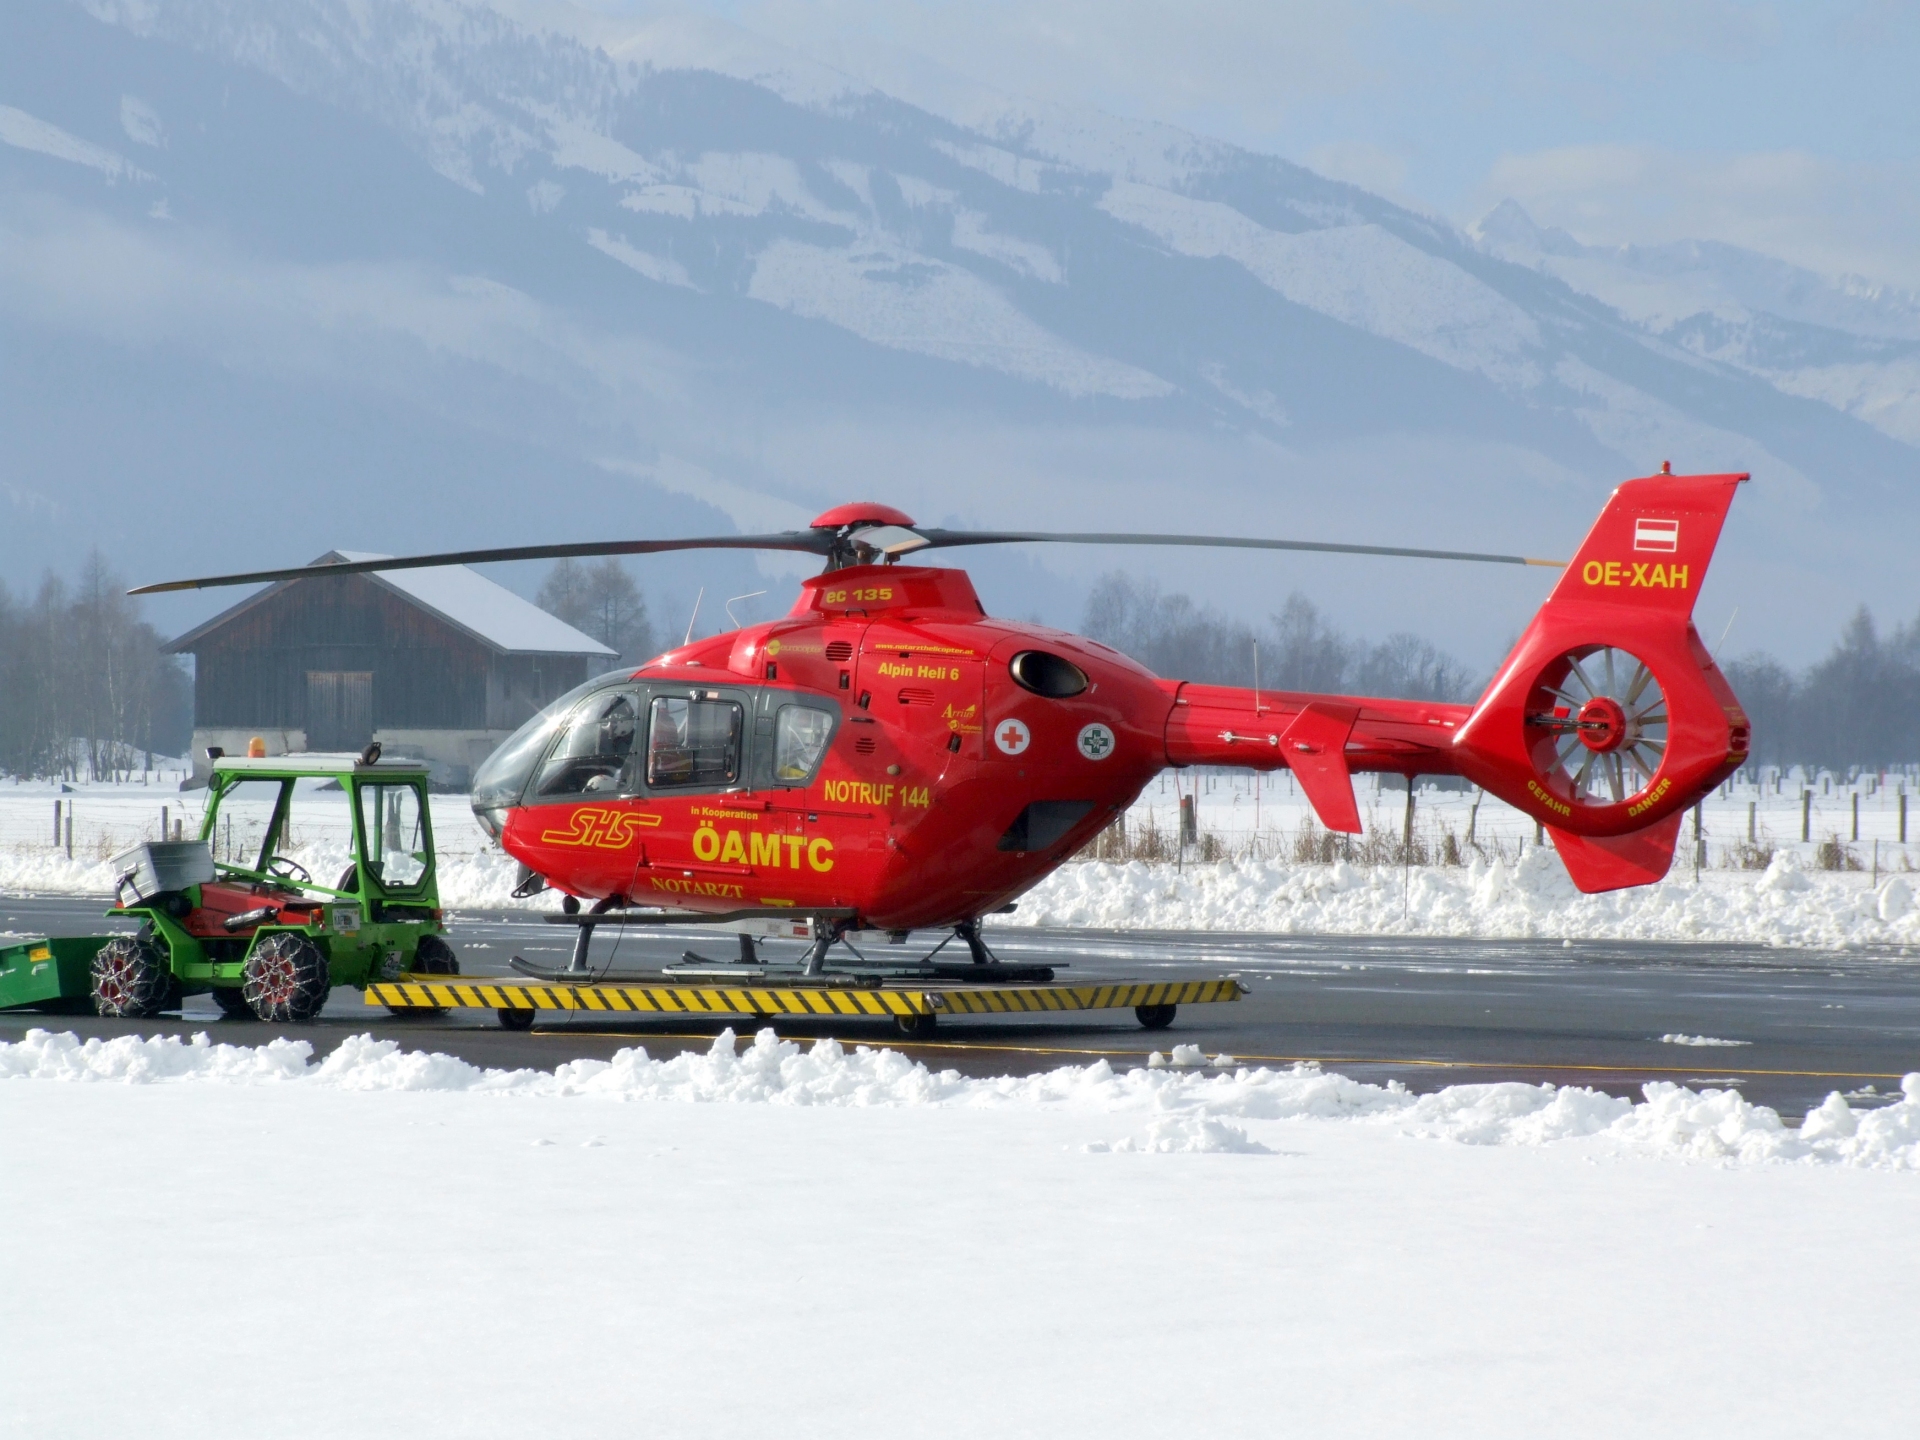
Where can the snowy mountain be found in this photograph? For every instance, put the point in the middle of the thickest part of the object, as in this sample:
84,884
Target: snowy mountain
1850,342
414,273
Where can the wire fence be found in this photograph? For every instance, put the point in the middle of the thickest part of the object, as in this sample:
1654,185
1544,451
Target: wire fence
1856,821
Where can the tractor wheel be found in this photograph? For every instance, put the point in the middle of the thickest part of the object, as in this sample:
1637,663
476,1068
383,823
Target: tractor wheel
129,979
1155,1017
232,1001
432,956
286,979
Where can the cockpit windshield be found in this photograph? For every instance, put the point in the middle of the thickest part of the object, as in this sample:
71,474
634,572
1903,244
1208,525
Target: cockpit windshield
502,780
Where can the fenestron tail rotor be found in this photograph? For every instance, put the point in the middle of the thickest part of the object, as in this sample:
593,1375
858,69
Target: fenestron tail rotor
1599,722
858,534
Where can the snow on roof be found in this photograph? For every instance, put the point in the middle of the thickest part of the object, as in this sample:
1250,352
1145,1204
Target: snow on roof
489,612
465,599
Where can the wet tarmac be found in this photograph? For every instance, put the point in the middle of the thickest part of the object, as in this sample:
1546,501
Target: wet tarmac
1425,1012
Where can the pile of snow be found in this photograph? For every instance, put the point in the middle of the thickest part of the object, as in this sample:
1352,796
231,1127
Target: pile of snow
1187,1109
1699,1040
1533,898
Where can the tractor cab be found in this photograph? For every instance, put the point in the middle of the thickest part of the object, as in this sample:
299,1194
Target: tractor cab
240,911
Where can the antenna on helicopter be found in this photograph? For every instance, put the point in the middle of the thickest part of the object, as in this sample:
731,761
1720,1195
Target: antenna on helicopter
695,615
733,619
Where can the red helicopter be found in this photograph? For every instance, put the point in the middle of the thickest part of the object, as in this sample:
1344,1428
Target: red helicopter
890,757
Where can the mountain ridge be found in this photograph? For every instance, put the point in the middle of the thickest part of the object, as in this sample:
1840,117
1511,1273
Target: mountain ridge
674,295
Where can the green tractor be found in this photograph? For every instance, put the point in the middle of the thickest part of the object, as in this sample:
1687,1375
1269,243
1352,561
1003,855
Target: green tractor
233,914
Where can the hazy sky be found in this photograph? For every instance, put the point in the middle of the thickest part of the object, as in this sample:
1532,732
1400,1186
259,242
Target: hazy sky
1787,127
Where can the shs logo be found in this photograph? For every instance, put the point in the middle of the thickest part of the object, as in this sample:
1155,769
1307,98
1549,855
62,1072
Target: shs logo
594,828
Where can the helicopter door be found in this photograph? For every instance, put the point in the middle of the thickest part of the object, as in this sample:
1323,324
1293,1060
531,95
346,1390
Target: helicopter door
696,773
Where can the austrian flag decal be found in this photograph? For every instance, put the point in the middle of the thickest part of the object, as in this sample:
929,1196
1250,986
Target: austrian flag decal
1656,535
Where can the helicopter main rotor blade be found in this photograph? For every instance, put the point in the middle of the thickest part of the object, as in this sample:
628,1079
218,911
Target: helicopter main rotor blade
811,542
893,541
1028,537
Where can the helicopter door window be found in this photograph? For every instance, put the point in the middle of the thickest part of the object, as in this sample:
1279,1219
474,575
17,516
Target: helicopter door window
800,740
592,754
694,741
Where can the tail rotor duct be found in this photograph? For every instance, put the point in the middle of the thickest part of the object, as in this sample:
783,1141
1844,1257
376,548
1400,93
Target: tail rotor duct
1597,726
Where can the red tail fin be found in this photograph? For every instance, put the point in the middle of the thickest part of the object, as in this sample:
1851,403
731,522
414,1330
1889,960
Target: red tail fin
1614,862
1609,717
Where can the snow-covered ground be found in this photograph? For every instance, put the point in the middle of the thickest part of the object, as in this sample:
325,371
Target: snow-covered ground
1509,886
214,1241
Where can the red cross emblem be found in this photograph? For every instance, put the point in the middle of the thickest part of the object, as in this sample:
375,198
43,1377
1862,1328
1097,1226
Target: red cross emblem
1012,737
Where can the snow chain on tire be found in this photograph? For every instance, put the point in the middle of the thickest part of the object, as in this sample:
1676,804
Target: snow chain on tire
286,979
130,981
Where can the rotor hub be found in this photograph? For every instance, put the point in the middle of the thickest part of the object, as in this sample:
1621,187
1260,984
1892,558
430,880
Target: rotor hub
1603,725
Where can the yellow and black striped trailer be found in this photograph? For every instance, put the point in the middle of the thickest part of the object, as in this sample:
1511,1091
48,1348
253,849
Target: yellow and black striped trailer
913,1006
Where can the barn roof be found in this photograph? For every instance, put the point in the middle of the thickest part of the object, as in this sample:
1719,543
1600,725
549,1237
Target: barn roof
464,598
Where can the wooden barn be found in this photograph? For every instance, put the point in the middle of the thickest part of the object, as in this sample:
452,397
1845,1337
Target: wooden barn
442,664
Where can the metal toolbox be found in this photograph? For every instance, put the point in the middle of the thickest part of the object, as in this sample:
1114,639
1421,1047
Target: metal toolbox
161,866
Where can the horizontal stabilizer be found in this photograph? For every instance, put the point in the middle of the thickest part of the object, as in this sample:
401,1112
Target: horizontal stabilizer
1315,745
1614,862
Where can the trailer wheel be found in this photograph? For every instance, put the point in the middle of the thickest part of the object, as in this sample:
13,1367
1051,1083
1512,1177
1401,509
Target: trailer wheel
432,956
1155,1017
232,1001
286,979
916,1027
516,1019
129,980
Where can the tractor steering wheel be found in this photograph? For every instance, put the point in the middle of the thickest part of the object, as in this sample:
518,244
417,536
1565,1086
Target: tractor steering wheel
289,870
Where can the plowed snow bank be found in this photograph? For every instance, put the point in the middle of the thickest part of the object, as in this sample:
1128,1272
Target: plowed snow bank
1188,1110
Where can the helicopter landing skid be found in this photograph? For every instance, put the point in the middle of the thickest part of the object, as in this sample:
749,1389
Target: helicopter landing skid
869,970
829,930
867,973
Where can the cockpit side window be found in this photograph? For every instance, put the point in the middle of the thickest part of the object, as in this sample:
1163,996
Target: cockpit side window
693,741
594,752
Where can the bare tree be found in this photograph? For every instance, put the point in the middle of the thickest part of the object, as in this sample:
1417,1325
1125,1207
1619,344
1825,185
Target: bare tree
1299,649
602,601
83,682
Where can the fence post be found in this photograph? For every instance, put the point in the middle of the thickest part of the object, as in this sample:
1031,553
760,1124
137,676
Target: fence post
1406,826
69,832
56,824
1699,841
1903,814
1753,822
1806,814
1856,815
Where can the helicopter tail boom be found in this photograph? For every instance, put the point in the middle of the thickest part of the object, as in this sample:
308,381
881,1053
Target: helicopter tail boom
1323,739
